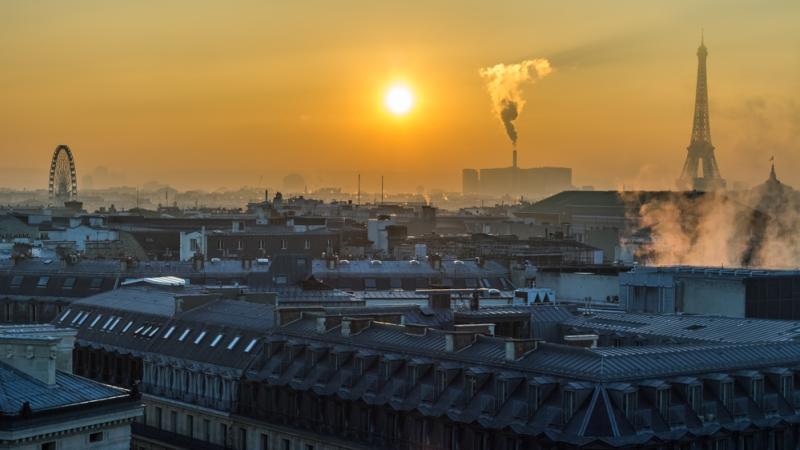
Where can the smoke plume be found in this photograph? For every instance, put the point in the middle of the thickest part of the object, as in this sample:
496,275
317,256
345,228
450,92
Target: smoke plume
505,81
755,228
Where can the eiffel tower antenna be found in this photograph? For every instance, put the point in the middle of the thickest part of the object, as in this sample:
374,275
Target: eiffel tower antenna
700,171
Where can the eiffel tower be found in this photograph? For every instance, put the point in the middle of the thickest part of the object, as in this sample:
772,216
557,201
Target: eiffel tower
700,151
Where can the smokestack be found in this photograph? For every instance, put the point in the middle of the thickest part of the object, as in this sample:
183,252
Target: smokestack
514,159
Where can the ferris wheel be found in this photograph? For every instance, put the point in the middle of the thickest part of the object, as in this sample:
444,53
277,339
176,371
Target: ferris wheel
63,181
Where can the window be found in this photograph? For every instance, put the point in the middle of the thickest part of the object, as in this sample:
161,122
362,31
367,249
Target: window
370,283
125,329
261,244
284,244
469,385
94,322
220,245
395,283
108,322
629,404
158,417
16,281
726,394
250,345
440,382
77,317
169,332
193,245
83,318
501,389
42,283
96,437
64,316
287,445
233,342
242,438
49,446
96,283
239,245
173,421
184,334
153,333
206,430
309,447
69,283
567,406
190,425
264,441
757,390
663,403
307,244
216,340
534,398
199,337
223,434
786,387
694,396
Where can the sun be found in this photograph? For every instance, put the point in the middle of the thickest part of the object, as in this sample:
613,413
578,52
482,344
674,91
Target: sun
399,100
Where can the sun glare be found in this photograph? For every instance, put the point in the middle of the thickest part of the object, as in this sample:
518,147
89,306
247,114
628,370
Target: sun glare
399,100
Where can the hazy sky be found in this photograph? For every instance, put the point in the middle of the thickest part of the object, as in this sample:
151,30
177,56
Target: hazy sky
207,93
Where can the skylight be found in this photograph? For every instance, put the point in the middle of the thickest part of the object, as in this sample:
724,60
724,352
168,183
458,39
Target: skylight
216,340
199,337
169,332
126,326
94,322
233,342
250,345
114,325
64,316
108,322
183,335
83,319
153,333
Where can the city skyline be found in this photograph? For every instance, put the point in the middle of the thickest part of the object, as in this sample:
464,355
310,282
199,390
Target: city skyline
244,96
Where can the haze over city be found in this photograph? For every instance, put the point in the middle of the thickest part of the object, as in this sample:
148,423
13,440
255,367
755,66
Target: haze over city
202,95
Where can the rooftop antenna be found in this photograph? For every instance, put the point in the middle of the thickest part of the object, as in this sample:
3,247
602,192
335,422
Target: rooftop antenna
358,196
381,189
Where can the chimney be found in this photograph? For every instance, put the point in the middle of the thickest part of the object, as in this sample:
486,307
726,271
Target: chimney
327,323
455,341
352,326
38,351
436,261
475,301
439,300
517,348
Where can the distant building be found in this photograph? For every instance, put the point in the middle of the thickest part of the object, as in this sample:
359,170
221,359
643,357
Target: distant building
513,181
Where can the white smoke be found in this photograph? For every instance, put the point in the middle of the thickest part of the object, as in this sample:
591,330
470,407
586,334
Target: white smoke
505,81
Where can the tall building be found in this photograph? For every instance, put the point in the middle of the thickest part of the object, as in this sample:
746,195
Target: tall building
470,181
700,171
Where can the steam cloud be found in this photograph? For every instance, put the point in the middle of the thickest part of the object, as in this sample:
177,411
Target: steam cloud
757,228
505,81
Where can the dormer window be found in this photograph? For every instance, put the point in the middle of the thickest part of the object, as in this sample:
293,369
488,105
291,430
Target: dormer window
440,382
630,403
470,384
757,390
534,398
663,400
787,387
694,396
501,391
726,394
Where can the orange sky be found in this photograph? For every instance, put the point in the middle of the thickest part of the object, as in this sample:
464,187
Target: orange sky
203,94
